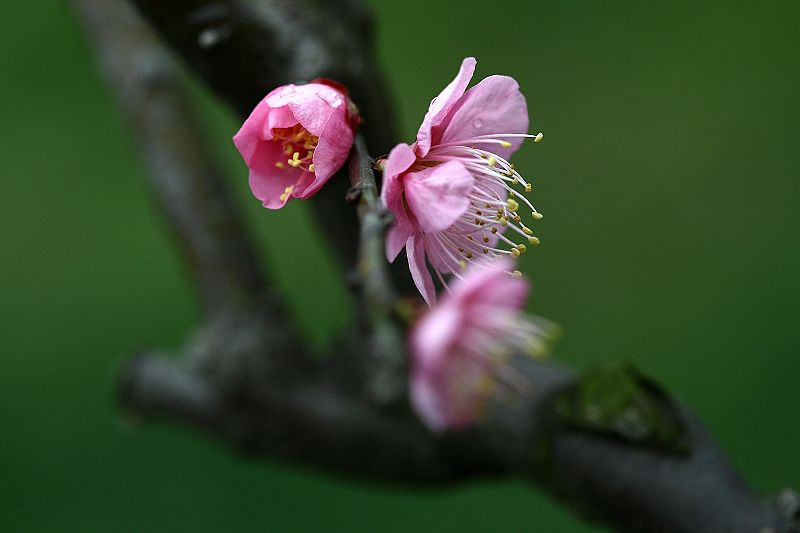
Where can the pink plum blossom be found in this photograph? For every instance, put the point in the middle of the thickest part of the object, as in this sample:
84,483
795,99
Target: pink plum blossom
460,346
452,191
295,139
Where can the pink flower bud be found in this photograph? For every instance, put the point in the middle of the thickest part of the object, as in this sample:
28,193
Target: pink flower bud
295,139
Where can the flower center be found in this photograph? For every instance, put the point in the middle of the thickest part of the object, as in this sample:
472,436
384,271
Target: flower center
496,200
295,142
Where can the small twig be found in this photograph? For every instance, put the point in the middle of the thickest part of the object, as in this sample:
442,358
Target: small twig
386,374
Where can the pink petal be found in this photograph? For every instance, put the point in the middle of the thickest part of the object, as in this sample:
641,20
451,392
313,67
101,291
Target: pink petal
495,105
396,238
399,160
268,182
313,105
433,336
429,402
438,195
491,286
440,106
432,342
332,150
415,250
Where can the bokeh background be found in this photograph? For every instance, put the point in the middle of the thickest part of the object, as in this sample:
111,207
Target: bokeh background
669,182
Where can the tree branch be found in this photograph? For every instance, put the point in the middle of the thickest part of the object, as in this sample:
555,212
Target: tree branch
386,375
182,176
624,474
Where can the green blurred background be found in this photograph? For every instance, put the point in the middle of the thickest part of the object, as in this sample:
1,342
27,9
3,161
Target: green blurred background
668,179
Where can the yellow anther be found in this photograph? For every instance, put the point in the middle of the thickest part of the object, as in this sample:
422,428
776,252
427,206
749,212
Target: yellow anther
534,240
295,160
537,216
527,230
280,165
283,197
494,230
512,205
503,221
505,144
514,180
522,248
517,274
311,167
492,161
528,187
515,252
539,137
289,149
288,189
517,218
462,264
536,349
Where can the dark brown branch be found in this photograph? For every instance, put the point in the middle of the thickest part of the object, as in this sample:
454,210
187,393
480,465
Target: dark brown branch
187,184
315,416
190,192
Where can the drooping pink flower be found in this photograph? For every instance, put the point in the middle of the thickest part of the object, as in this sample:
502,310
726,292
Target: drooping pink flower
452,191
295,139
460,346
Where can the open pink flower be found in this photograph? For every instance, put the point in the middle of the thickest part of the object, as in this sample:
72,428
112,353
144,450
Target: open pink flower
459,347
452,191
295,139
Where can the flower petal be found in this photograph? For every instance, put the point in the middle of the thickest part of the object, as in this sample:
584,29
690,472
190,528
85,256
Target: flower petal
396,238
495,105
491,286
438,195
332,150
312,104
268,182
440,106
431,345
258,128
429,402
399,160
415,250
